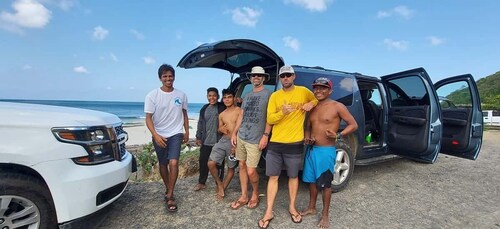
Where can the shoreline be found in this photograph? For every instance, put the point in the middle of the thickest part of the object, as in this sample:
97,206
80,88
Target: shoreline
138,133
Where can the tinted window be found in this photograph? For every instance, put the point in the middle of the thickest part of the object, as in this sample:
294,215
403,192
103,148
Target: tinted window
342,86
456,94
242,59
408,91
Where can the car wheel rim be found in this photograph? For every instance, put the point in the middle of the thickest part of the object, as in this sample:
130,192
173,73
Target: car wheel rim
342,165
17,211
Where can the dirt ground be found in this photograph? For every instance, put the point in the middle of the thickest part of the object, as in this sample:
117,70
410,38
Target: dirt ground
451,193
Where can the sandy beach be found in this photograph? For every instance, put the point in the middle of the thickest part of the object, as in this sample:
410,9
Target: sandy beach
139,134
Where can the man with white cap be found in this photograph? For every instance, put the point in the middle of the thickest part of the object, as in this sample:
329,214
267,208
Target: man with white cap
251,137
286,112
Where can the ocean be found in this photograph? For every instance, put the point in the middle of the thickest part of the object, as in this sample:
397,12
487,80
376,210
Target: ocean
129,112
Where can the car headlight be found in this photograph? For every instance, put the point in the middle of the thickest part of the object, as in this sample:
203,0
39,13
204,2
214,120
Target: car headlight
97,141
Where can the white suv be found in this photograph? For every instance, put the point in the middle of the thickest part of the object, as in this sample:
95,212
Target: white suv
59,164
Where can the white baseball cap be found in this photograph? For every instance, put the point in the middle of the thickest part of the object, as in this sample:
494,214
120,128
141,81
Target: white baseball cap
286,69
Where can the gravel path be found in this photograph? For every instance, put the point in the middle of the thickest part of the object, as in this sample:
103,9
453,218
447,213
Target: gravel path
452,193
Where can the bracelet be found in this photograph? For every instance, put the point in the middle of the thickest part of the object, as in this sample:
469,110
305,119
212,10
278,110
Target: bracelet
266,134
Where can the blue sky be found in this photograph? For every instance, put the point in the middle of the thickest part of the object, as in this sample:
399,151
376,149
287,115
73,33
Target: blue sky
110,50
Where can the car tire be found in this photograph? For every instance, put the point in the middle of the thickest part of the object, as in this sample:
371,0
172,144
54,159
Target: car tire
27,195
344,166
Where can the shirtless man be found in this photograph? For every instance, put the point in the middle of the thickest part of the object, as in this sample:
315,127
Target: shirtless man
321,134
224,148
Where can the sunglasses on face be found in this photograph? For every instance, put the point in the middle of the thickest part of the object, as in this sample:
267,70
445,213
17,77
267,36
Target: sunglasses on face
287,75
256,75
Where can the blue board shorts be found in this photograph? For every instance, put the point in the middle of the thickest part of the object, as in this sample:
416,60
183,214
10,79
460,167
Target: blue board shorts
318,166
171,152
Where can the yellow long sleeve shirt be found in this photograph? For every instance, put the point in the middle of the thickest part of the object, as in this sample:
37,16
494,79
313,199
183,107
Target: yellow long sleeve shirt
288,128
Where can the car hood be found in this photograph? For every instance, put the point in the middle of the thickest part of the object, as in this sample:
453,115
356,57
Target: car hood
235,56
24,114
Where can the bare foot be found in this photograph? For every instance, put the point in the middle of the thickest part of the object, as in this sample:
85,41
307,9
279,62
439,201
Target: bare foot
309,211
220,192
324,222
199,187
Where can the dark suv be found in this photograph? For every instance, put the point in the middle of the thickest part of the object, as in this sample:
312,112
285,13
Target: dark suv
397,114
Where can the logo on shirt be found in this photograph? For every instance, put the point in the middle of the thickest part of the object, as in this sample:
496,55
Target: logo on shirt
177,101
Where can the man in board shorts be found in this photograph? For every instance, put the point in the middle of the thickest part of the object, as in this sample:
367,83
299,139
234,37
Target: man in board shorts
321,136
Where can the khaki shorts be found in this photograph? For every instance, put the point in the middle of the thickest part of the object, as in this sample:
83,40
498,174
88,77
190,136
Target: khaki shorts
248,152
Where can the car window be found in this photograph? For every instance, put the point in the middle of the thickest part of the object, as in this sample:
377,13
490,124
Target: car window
342,86
241,59
456,94
376,98
408,91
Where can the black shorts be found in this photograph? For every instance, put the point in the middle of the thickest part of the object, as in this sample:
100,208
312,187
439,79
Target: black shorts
284,156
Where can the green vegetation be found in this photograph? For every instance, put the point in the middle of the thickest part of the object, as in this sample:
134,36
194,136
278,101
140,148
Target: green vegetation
147,159
489,92
148,162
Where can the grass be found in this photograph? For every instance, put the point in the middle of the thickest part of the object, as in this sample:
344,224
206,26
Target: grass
147,162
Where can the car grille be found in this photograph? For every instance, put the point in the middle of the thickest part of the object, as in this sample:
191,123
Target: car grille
119,142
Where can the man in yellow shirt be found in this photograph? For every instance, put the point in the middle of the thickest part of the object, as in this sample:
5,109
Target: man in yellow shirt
286,112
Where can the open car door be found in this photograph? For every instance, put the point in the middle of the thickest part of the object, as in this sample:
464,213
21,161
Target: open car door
236,56
414,122
462,116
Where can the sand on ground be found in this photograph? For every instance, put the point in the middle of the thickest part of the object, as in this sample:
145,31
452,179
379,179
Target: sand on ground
139,134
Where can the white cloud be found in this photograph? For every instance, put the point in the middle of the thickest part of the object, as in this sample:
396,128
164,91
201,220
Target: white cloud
311,5
402,11
383,14
398,45
435,41
100,33
245,16
65,5
149,60
292,43
80,69
27,67
113,57
28,14
137,34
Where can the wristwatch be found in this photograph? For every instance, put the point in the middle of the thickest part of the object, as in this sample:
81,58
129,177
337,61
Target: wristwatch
266,134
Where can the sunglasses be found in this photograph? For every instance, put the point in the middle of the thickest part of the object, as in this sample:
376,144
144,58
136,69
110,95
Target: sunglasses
257,75
287,75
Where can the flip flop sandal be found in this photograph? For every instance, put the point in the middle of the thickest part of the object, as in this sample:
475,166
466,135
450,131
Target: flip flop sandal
293,216
264,221
239,204
171,207
255,202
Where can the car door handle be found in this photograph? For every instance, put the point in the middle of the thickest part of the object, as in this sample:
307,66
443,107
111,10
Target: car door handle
477,130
